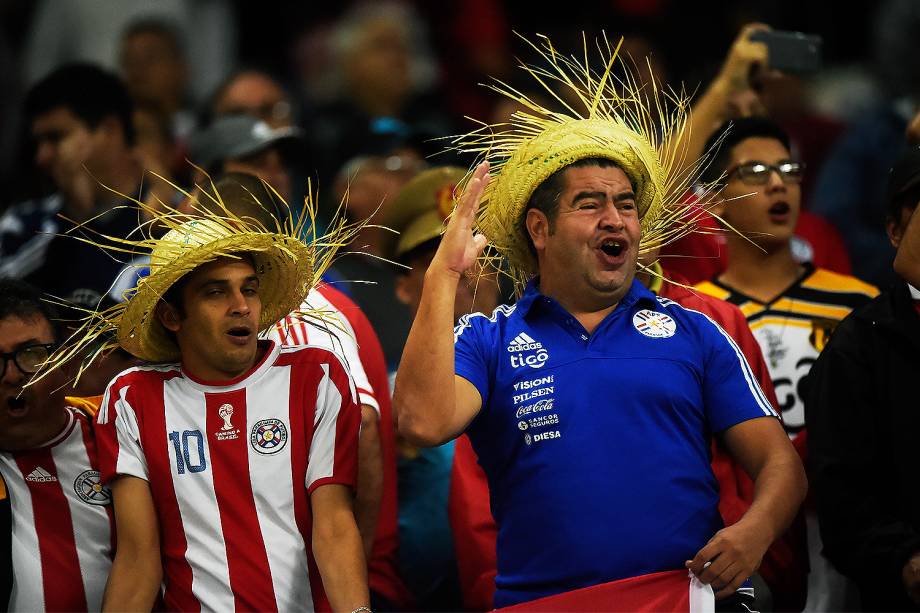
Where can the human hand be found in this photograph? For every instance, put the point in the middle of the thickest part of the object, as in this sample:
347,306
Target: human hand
460,246
910,574
745,57
731,556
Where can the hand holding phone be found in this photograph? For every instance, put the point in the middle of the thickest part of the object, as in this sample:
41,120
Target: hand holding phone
791,52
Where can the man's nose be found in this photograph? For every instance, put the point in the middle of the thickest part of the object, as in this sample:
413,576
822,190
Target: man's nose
611,218
240,305
11,374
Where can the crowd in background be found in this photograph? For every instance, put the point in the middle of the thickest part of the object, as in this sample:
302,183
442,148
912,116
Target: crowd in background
102,102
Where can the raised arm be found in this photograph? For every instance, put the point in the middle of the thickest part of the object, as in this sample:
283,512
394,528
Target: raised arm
729,95
137,570
432,404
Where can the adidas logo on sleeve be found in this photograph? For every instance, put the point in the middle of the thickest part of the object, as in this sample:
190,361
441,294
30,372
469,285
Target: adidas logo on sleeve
40,475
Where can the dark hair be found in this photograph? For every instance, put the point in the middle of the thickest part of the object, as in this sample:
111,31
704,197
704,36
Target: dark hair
245,195
545,197
732,133
22,300
164,28
87,91
907,199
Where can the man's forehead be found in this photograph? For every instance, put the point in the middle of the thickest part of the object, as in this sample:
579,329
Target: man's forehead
224,267
592,178
55,119
17,329
761,146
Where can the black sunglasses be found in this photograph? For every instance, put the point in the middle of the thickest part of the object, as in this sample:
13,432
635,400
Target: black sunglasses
28,359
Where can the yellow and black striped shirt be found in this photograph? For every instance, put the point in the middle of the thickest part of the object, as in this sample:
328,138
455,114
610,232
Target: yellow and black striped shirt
794,327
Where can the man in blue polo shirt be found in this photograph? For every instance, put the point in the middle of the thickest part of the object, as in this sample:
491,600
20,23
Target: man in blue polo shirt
591,402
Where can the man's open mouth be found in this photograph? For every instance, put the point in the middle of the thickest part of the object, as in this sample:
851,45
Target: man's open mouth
16,406
779,209
612,247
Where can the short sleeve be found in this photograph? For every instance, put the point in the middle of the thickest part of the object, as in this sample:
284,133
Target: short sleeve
333,454
470,360
335,333
118,435
731,393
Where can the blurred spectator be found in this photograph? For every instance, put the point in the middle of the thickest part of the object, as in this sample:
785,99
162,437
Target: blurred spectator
427,545
386,73
253,92
153,65
863,427
850,190
347,332
791,308
80,118
242,143
90,30
61,529
370,184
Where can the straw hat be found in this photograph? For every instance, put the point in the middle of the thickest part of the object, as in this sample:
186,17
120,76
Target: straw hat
604,116
289,259
419,209
283,264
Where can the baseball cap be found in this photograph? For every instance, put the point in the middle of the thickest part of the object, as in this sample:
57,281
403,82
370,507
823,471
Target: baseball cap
419,209
237,136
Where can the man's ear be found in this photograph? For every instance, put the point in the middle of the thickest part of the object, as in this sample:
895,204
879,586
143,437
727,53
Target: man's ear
168,316
401,288
719,204
537,225
112,127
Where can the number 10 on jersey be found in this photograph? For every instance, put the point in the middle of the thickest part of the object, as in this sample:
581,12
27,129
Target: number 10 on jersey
189,448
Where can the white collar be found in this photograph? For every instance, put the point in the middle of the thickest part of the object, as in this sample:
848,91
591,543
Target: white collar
914,292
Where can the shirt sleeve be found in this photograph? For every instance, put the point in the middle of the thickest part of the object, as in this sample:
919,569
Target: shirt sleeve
333,454
730,390
470,361
118,436
336,334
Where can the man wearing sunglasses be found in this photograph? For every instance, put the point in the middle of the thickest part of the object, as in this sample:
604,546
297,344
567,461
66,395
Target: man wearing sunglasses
60,539
792,308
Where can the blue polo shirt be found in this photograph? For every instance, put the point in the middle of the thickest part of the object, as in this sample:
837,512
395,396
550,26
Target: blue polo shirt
596,446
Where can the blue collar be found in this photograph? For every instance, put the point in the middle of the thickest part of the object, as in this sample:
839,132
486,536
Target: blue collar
532,295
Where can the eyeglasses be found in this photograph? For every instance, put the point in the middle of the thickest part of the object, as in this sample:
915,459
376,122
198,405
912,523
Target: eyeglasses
758,173
27,359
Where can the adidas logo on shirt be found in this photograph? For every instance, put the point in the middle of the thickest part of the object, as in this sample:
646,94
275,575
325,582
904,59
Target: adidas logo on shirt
525,351
40,475
522,342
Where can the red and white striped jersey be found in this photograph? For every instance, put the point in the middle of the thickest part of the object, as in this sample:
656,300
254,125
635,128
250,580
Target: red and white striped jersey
353,336
335,332
230,466
62,525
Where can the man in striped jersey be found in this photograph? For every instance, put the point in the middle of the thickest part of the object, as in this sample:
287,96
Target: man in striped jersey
61,526
792,308
232,462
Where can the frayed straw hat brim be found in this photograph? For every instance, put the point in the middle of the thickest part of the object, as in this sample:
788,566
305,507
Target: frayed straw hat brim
285,277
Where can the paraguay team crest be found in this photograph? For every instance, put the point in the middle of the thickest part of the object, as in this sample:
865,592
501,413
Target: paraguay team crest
88,486
654,324
268,436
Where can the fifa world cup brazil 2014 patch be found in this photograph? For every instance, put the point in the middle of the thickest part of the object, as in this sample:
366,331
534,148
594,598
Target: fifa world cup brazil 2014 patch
268,436
654,324
88,486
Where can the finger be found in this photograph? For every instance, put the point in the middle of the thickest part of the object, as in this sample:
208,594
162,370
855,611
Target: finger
725,576
713,570
732,586
475,185
704,555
